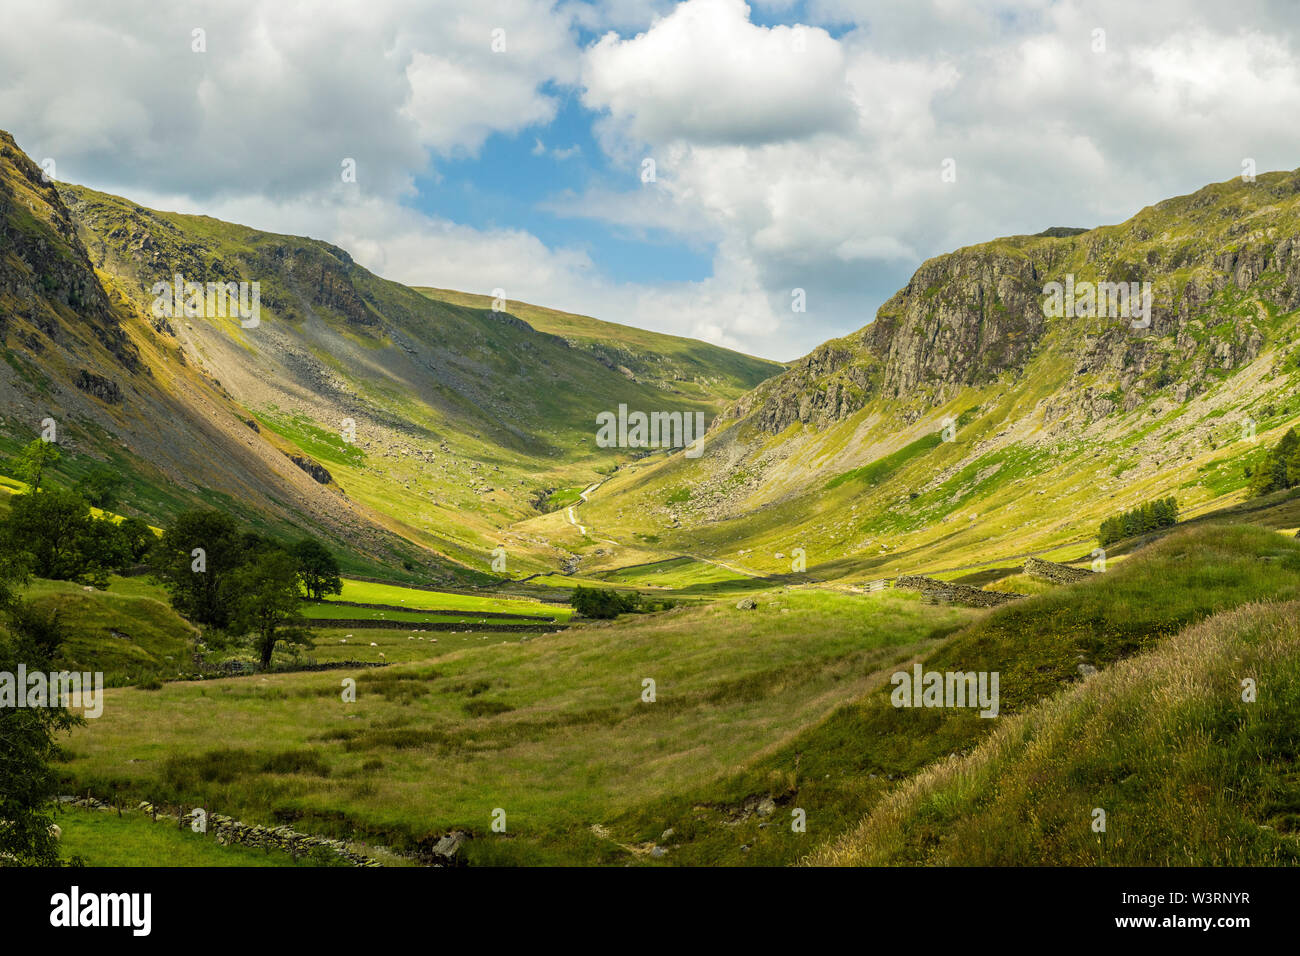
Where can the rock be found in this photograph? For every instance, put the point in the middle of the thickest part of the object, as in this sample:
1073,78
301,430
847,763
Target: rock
667,835
448,848
766,807
313,468
104,389
1087,670
658,851
746,604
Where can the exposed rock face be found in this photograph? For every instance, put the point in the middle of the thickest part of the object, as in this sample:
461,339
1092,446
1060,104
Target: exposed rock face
49,268
1056,573
970,316
102,388
313,468
955,593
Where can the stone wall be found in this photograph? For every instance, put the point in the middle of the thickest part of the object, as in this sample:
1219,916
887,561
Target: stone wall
955,593
226,830
1056,573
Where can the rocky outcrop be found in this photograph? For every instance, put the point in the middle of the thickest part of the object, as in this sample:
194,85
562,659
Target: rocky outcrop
313,468
975,314
105,389
50,271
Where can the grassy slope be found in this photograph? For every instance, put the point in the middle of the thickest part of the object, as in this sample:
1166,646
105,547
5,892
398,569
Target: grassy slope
669,361
103,839
876,494
128,632
1187,772
838,770
464,418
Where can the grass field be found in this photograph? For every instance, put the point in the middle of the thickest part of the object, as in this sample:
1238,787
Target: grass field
757,714
330,611
366,592
553,730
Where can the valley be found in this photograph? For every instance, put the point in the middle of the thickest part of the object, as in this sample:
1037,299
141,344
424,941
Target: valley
454,704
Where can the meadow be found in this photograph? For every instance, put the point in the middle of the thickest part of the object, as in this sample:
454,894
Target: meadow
553,729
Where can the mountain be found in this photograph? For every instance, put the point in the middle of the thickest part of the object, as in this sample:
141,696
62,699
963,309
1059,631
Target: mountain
669,362
1056,418
411,429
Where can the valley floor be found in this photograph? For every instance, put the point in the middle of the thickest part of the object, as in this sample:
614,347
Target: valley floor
714,734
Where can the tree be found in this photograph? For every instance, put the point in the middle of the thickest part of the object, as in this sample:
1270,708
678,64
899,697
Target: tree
64,541
140,538
317,569
1280,467
34,460
268,603
28,782
100,486
195,559
604,602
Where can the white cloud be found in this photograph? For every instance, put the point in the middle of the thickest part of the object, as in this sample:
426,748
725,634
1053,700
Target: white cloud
705,74
282,93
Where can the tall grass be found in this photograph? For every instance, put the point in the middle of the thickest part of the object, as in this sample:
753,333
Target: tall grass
1185,770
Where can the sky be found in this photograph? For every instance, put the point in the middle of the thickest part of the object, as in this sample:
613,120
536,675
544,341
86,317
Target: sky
801,150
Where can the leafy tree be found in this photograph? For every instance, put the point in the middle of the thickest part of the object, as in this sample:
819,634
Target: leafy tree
35,460
28,782
64,541
100,486
196,559
604,602
140,538
318,569
268,603
1280,468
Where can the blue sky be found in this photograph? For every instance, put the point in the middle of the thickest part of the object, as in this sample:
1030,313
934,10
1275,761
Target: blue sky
511,179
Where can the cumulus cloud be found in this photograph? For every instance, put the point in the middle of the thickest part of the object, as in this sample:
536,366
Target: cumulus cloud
270,97
807,155
705,74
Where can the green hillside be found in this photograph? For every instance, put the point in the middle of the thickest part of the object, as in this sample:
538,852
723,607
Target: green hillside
965,424
1186,772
